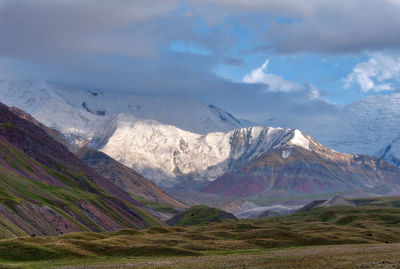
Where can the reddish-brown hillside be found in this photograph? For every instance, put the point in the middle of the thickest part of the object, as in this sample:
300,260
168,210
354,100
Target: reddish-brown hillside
294,169
46,189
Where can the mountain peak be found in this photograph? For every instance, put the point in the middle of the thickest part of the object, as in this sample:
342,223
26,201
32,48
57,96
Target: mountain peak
300,140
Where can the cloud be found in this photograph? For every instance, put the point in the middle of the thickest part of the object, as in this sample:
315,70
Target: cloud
232,61
380,73
190,75
316,26
55,31
124,45
44,29
300,8
275,83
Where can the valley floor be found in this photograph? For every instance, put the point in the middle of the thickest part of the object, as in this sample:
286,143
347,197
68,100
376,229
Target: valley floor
366,236
337,256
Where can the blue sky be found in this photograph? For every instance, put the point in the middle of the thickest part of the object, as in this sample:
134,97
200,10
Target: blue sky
324,72
291,60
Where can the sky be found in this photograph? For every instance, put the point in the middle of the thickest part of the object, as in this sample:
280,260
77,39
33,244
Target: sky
291,60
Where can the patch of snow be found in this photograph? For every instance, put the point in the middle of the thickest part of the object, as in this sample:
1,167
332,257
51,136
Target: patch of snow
286,153
300,140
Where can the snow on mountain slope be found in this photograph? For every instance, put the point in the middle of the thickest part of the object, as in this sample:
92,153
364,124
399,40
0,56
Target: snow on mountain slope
179,140
366,126
166,153
80,114
372,122
41,101
183,112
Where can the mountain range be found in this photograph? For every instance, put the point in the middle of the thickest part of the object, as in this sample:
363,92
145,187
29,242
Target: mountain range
180,143
298,164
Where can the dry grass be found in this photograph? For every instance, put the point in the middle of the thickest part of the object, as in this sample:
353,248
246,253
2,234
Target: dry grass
311,239
342,256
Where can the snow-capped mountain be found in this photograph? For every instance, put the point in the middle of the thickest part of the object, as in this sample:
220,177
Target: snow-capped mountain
167,154
243,162
367,126
41,101
182,142
80,114
303,166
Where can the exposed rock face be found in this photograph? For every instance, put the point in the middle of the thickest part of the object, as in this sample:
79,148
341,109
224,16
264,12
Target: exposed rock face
307,170
44,187
53,133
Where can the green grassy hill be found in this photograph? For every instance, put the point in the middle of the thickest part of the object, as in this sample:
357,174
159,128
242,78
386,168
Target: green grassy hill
126,178
377,221
47,190
199,215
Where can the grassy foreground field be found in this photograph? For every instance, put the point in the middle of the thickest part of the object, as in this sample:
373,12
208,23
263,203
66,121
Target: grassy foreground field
342,237
341,256
336,256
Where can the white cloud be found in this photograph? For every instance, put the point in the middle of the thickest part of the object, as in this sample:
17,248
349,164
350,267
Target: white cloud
274,82
380,73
